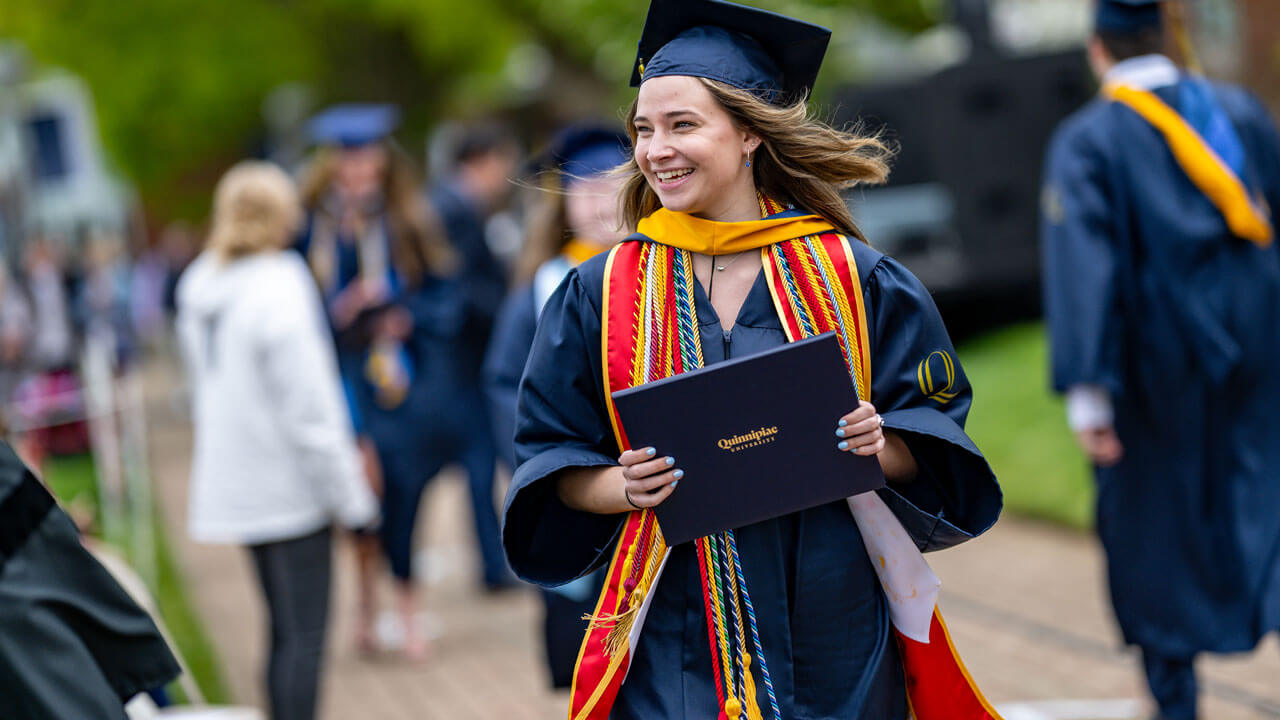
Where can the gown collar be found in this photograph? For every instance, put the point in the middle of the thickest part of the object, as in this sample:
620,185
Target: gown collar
1145,72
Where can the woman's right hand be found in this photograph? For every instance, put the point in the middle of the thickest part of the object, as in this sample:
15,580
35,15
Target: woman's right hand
647,478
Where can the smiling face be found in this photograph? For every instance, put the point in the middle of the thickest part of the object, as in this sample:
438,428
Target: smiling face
691,153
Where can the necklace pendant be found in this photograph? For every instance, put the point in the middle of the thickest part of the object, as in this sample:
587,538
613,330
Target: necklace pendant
720,267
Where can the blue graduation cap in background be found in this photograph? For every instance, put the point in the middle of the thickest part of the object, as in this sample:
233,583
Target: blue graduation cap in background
353,125
772,55
583,151
1127,16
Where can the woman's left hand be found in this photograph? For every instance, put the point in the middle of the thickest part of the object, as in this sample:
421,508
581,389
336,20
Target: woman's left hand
861,431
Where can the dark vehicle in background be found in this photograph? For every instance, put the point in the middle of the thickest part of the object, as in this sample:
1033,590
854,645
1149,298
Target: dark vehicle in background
962,204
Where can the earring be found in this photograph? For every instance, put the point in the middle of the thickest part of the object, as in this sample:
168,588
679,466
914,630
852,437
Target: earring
749,158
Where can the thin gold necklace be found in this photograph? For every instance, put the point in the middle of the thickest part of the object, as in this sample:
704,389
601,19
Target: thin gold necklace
711,280
722,268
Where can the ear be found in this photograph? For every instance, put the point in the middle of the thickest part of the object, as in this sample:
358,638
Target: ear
1100,61
750,141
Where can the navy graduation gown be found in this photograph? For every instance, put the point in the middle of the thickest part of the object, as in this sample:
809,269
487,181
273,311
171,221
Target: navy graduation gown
423,430
823,618
1150,296
504,364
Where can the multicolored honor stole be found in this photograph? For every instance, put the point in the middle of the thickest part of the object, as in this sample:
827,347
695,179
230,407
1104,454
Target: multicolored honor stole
1245,217
649,332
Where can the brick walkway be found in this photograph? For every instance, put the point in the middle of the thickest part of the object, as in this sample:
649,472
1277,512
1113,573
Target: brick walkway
1025,606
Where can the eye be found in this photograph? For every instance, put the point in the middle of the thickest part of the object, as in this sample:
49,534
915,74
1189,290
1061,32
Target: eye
683,124
643,130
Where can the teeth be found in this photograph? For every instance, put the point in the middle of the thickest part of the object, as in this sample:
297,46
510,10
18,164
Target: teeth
668,175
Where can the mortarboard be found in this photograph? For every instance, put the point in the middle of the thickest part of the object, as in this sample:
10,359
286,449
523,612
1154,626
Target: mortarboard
353,125
1127,16
773,55
582,151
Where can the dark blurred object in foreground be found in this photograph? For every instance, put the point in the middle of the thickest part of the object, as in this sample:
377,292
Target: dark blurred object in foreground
72,642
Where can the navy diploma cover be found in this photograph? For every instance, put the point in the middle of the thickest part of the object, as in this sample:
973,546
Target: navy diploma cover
755,437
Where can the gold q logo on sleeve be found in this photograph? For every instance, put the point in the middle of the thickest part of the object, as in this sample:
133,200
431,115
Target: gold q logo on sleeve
936,374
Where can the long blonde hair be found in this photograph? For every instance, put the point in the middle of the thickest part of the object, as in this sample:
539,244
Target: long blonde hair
418,247
255,208
801,160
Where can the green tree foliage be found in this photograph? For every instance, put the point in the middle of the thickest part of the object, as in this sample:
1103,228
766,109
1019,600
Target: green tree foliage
179,84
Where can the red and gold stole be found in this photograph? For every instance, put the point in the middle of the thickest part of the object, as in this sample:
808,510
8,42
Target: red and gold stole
649,332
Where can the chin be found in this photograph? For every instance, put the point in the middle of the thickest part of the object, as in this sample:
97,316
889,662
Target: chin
680,202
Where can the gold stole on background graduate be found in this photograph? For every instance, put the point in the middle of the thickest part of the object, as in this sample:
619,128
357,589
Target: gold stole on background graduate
1245,217
647,334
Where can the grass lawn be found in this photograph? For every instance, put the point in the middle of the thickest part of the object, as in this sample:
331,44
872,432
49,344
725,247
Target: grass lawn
1021,427
72,480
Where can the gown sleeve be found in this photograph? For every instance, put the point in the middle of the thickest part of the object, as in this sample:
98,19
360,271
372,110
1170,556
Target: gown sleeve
504,364
561,423
1081,265
922,393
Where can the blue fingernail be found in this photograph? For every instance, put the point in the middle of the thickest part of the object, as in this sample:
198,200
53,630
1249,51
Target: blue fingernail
843,423
677,475
844,445
650,452
674,483
839,433
671,461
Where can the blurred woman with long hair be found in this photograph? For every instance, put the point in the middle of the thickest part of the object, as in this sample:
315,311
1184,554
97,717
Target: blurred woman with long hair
576,220
275,460
396,313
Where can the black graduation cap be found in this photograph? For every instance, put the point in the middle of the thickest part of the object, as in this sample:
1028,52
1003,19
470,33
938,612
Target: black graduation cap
1127,16
772,55
582,151
353,125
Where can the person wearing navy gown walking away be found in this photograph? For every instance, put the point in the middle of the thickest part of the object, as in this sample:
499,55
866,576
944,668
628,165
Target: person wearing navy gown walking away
1162,291
578,220
384,271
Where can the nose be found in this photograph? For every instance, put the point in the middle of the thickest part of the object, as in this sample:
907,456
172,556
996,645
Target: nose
658,147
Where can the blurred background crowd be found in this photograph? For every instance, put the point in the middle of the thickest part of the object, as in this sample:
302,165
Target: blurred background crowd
117,120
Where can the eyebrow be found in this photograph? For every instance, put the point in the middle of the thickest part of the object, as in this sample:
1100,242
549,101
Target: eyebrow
670,115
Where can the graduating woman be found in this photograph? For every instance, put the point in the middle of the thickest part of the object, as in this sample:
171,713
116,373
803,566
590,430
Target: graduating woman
396,316
578,221
743,243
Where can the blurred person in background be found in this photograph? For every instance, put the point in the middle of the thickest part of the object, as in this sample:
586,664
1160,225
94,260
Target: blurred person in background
578,220
397,315
54,342
49,394
275,461
1162,291
102,304
15,335
484,161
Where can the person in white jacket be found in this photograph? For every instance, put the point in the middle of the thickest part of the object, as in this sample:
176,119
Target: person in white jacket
275,460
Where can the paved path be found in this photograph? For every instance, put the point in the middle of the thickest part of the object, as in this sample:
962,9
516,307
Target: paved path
1024,603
